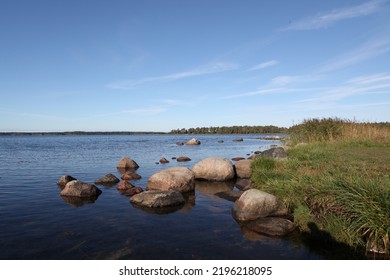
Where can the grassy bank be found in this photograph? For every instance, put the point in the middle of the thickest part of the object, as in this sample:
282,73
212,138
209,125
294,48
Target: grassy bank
338,181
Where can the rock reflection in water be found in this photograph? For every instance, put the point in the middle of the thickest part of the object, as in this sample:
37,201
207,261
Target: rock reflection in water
78,201
159,210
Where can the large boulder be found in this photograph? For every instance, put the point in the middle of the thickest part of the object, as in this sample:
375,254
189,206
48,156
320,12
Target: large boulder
156,199
78,188
243,168
276,153
176,178
193,141
127,163
272,226
254,204
64,180
108,179
214,169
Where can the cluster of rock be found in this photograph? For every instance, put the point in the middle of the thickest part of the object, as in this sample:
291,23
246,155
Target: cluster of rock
166,190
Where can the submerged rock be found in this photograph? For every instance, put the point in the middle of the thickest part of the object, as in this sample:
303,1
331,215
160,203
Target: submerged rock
214,169
80,189
64,180
272,226
124,186
176,178
158,199
254,204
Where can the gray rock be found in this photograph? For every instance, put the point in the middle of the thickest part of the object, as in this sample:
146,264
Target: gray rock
156,199
276,153
243,168
127,163
176,178
108,179
272,226
64,180
254,204
214,169
80,189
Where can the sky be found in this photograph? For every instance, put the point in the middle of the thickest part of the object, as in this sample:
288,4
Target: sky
119,65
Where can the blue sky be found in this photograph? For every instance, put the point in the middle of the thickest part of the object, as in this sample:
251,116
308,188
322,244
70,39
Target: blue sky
160,65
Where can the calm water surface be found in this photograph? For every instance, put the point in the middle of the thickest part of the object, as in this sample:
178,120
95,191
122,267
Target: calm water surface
37,223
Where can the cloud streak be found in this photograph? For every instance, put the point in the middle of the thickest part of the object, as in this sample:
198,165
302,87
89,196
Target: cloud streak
263,65
324,20
200,71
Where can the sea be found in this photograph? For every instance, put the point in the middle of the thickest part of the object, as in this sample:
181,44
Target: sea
37,223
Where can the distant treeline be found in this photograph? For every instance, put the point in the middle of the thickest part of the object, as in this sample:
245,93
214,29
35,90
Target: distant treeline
77,133
231,130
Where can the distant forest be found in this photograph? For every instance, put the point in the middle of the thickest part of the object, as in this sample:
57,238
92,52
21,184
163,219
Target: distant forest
231,130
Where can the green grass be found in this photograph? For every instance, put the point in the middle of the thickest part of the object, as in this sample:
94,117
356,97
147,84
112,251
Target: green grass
342,186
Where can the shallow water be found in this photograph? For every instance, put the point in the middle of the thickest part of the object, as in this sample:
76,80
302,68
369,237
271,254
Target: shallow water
37,223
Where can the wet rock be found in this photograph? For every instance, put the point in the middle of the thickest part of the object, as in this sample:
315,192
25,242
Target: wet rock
238,140
130,175
124,186
254,204
230,195
193,141
158,199
164,160
108,179
272,226
183,159
176,178
276,153
132,191
243,184
243,168
180,143
214,169
80,189
64,180
220,141
127,163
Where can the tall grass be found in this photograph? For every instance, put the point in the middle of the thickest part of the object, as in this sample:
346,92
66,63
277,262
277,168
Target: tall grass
339,180
336,129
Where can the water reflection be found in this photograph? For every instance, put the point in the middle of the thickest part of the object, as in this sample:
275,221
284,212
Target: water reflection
223,190
78,201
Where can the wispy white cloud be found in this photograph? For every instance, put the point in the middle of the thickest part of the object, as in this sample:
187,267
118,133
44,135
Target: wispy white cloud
200,71
372,84
364,52
263,65
362,80
256,92
324,20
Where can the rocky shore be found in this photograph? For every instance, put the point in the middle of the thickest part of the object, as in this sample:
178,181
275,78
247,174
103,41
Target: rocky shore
169,189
